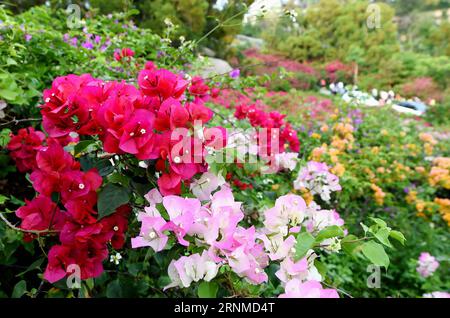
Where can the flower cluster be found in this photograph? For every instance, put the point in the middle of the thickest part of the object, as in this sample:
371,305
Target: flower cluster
427,264
258,118
150,122
214,228
82,236
289,216
24,146
318,180
213,225
440,172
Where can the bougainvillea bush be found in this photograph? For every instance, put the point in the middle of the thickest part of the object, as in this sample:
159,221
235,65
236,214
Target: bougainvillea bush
137,191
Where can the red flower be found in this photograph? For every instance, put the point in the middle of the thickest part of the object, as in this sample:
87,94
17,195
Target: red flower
74,233
24,148
161,83
76,184
51,162
88,257
82,210
198,111
137,135
115,226
39,214
198,88
150,66
169,183
125,52
65,108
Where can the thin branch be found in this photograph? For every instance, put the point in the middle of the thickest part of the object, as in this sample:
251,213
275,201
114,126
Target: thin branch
9,224
340,290
16,121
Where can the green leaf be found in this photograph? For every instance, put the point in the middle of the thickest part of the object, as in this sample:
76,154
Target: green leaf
3,199
365,228
5,137
110,198
329,232
380,222
207,290
321,267
375,253
382,235
103,166
305,241
19,289
396,235
350,244
35,265
114,290
84,146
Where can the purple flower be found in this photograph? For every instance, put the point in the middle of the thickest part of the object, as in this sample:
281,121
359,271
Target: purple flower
97,39
66,37
28,37
74,41
235,73
427,264
87,45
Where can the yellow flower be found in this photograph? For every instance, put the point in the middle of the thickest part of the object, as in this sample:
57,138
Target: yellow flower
428,138
384,132
444,208
275,186
316,154
420,169
442,162
420,206
324,128
315,136
411,197
338,169
308,197
428,148
379,195
375,150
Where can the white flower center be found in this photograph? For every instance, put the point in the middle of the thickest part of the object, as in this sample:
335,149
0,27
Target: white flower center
177,159
143,131
152,235
116,228
81,186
